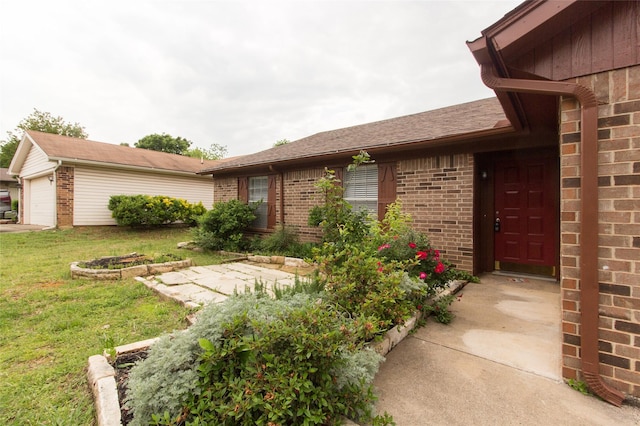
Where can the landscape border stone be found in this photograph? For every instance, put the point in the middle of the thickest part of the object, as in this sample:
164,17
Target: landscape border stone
129,272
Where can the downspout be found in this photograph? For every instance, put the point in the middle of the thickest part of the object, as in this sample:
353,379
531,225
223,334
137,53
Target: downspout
589,286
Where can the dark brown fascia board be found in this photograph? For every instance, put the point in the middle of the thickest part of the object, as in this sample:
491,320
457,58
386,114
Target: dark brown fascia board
502,129
536,21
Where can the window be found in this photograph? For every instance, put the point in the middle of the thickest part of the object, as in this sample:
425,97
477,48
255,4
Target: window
259,193
361,188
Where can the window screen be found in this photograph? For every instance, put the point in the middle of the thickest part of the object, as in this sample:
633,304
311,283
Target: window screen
361,188
258,193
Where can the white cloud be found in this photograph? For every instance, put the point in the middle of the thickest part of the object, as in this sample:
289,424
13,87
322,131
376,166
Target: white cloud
241,74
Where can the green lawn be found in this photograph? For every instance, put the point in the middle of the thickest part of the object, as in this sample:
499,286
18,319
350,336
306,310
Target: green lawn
50,324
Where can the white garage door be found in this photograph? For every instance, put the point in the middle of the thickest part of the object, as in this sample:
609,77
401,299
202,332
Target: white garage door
42,202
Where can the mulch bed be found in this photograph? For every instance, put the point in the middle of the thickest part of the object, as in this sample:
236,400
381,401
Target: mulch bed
122,366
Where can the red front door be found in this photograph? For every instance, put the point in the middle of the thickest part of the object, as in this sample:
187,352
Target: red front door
526,215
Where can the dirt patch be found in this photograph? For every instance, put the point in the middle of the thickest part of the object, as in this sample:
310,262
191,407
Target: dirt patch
120,262
122,367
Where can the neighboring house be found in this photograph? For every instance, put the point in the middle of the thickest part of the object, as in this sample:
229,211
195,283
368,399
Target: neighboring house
68,181
545,179
9,182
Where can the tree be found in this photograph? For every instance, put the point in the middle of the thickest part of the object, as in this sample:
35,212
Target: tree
42,122
214,152
164,143
281,142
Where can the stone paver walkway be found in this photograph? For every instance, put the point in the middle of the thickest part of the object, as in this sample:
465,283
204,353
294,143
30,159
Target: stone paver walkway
199,285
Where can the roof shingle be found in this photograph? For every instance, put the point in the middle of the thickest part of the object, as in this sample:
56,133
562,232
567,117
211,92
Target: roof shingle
459,119
73,149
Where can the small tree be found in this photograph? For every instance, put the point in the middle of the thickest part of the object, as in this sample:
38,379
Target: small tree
214,152
223,227
164,143
41,122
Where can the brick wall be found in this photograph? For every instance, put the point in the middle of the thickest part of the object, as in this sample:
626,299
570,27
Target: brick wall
300,195
618,94
64,196
438,193
225,189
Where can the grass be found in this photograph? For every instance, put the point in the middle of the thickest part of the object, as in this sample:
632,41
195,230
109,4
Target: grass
50,324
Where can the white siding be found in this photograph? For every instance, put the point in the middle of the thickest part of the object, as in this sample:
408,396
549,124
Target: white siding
94,186
35,163
42,202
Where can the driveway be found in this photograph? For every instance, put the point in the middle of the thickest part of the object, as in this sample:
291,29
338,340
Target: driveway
497,363
14,227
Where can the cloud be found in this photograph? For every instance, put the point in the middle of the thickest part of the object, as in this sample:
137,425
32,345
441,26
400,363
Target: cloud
241,74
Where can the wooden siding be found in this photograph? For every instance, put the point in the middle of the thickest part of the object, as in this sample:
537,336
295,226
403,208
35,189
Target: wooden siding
36,163
608,39
94,186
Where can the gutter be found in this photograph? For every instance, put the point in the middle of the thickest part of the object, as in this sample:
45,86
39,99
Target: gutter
589,286
500,129
120,166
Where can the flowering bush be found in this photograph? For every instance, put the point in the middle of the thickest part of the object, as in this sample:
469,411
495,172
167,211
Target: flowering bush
419,259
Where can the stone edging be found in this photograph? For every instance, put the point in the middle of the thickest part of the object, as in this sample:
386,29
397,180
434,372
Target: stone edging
132,271
101,374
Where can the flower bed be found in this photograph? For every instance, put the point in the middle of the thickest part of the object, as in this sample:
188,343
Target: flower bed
127,266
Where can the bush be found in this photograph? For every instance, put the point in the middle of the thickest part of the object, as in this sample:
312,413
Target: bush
147,210
223,227
283,242
254,360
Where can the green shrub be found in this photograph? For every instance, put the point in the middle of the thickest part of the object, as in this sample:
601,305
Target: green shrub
282,242
254,360
14,205
339,223
223,227
146,210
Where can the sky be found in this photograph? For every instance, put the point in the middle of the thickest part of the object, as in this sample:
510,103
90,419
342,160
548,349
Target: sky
241,74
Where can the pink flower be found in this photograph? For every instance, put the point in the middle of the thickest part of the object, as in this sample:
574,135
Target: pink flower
384,246
439,268
380,268
412,245
422,255
423,275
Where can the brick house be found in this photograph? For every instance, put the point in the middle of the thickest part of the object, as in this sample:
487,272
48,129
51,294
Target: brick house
68,181
543,179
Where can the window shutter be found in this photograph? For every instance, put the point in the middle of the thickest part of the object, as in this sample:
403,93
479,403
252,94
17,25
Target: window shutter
243,189
271,202
339,174
387,184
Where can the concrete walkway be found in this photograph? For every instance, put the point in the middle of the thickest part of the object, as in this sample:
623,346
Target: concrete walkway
199,285
497,363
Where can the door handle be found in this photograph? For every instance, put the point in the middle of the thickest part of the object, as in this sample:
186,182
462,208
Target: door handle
496,225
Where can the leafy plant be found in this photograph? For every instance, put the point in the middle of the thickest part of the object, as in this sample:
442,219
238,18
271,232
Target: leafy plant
440,309
579,385
283,241
223,227
148,211
255,360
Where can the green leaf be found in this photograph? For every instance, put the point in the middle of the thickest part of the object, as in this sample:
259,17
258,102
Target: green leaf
206,345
